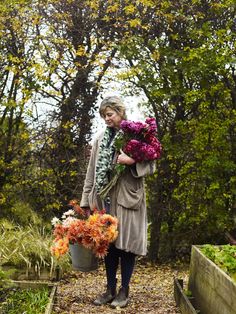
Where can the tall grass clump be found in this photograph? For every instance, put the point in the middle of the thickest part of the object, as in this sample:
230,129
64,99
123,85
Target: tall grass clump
28,247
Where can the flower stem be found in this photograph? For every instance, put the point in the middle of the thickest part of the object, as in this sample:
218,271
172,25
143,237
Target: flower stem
118,170
104,192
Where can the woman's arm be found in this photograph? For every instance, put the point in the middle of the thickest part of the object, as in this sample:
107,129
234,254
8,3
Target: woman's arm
124,159
144,168
89,179
139,169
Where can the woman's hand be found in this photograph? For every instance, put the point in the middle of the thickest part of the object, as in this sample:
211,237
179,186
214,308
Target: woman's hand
87,211
125,159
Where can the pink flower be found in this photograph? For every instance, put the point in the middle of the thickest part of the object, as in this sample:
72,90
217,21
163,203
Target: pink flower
150,152
152,129
132,146
142,143
138,141
132,127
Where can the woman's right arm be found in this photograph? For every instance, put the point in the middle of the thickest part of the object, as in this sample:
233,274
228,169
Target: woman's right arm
89,179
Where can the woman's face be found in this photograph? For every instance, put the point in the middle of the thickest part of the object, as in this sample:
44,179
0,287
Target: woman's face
112,118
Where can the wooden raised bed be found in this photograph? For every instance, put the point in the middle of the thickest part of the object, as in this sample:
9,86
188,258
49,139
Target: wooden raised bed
213,289
185,304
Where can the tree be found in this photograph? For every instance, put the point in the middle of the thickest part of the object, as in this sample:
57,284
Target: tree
187,73
17,87
64,51
77,42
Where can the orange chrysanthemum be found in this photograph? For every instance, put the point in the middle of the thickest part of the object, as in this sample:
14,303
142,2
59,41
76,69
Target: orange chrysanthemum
93,219
59,231
95,233
101,251
109,220
78,210
60,247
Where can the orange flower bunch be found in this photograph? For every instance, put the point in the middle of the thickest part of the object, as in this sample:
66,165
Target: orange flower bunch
95,233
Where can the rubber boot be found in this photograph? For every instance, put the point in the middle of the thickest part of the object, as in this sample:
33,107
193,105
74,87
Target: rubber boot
122,298
107,297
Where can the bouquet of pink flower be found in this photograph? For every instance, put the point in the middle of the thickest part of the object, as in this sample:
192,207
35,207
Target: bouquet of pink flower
139,141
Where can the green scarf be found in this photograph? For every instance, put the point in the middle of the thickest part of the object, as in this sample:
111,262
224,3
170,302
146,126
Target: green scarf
105,157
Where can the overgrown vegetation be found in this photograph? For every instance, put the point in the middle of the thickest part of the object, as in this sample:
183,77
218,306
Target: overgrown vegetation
4,279
30,301
28,248
223,256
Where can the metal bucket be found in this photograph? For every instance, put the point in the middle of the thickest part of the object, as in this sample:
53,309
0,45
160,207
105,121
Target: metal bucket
82,259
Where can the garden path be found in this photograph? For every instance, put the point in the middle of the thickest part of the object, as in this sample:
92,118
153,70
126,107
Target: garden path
151,291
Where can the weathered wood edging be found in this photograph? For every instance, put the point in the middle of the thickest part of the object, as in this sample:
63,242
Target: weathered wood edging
214,290
51,300
181,300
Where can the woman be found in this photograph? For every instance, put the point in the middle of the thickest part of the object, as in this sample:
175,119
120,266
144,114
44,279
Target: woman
126,201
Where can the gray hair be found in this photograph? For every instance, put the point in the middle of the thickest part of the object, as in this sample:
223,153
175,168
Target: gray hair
115,103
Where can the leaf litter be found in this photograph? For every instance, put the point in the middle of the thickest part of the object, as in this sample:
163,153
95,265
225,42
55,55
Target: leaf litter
151,290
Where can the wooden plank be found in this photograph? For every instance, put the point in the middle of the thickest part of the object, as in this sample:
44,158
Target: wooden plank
51,301
25,284
213,289
182,300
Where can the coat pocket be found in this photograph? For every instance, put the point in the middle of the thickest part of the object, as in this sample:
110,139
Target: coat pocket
129,197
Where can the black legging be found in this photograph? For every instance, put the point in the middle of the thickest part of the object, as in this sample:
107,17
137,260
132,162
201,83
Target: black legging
112,263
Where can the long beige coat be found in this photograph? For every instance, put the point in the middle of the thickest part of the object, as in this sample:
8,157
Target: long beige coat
128,202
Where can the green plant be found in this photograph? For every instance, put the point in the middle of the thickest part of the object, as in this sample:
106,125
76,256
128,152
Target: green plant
4,279
23,214
3,276
224,256
188,293
28,247
5,285
25,301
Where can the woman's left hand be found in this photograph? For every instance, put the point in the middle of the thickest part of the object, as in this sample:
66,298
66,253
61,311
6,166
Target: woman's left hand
125,159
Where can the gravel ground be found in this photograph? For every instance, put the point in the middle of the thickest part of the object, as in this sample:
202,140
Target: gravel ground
151,290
